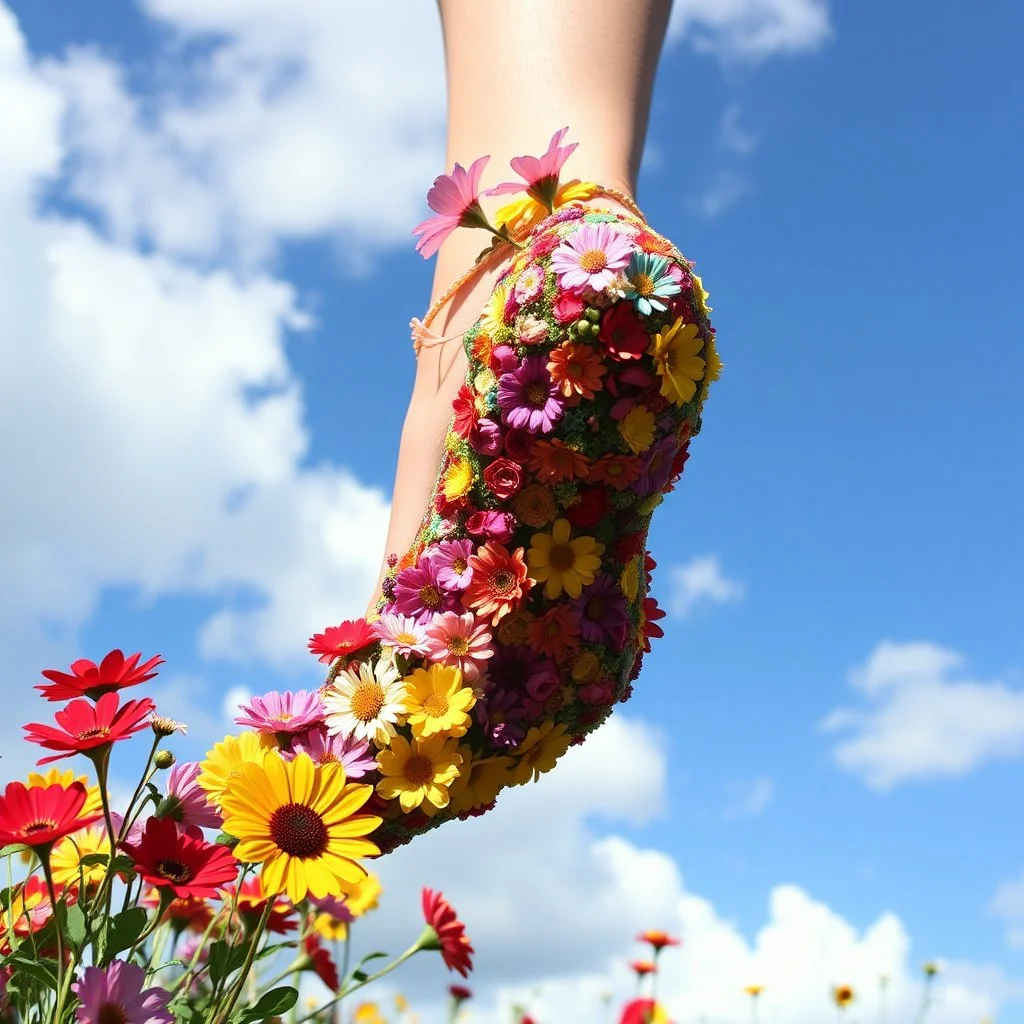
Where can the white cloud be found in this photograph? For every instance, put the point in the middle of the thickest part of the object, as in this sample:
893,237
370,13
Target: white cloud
749,799
732,136
751,29
1008,904
727,189
701,581
920,722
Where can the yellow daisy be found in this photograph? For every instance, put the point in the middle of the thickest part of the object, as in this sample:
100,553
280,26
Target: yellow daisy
66,857
521,215
459,479
537,754
637,429
493,320
332,928
676,359
300,821
65,777
485,778
629,581
362,896
419,773
563,564
437,701
225,761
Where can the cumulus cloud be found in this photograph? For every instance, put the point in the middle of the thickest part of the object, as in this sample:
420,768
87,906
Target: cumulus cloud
701,581
921,716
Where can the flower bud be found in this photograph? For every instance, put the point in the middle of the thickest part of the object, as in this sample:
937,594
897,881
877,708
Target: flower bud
163,726
163,759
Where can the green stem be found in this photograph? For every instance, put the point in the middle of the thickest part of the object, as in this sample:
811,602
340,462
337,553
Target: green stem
44,859
145,777
236,990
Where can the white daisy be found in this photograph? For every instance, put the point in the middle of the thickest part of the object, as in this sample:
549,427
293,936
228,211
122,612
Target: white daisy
366,705
401,632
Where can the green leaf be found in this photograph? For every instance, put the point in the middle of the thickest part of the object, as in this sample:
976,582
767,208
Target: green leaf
224,839
273,1004
40,970
275,947
74,925
372,956
124,930
224,960
91,860
10,851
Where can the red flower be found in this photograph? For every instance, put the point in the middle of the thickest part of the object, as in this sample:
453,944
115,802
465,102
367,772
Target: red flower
188,866
682,454
450,933
651,628
88,729
643,967
114,672
503,478
568,308
321,961
623,333
658,940
590,509
464,407
627,547
643,1011
519,444
460,992
338,641
251,903
194,914
38,816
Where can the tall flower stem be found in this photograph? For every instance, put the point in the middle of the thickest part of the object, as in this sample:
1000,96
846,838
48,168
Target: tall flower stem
926,1000
224,1012
58,1008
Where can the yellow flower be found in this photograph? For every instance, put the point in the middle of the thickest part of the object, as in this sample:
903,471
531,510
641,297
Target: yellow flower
363,896
637,429
843,995
629,581
563,564
479,781
419,773
368,1013
458,479
585,667
754,990
66,857
537,754
521,215
437,702
493,321
300,821
676,359
332,928
225,761
649,504
700,293
515,627
401,1003
65,777
483,382
714,364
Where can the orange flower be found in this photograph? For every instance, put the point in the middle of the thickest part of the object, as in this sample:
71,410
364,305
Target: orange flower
617,471
843,995
642,967
556,632
659,939
534,505
576,370
481,348
553,461
499,581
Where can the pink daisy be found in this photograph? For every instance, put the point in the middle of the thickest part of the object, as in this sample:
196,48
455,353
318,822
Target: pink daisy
115,993
419,593
529,398
540,174
529,284
186,802
459,641
401,632
352,754
289,712
455,202
451,560
590,256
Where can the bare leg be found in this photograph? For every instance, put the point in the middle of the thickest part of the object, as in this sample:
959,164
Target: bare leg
517,71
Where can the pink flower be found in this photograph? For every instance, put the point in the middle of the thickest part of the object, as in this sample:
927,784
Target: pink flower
459,641
568,308
451,559
485,437
529,284
186,802
540,174
419,592
352,754
590,256
402,633
498,526
116,993
288,712
455,202
528,398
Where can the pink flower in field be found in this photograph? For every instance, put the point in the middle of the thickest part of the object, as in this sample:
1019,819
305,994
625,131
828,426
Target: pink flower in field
351,753
289,712
115,993
459,641
528,398
419,592
539,174
589,257
451,560
186,802
401,632
455,200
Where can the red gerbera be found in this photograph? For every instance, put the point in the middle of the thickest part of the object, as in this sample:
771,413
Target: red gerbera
658,940
643,967
623,332
88,679
460,993
321,961
342,640
38,816
499,582
643,1011
90,729
651,628
449,933
252,903
188,866
464,410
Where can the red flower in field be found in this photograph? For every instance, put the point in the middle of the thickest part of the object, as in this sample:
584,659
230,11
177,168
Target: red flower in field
38,816
188,866
191,913
88,729
340,641
460,993
658,940
251,904
643,967
321,961
88,679
651,628
643,1011
451,940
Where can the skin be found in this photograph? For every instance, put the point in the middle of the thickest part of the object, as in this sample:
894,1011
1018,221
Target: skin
517,71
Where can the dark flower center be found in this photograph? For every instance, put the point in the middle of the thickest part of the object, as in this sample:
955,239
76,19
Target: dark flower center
94,733
298,830
174,871
418,770
562,557
502,581
595,608
43,825
111,1013
536,394
430,596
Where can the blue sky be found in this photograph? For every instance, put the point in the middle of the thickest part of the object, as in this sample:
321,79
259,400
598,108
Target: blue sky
847,181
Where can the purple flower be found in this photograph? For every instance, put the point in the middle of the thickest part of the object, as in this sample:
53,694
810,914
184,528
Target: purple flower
419,592
450,559
528,398
506,358
602,611
352,754
287,712
335,906
511,667
186,801
485,437
116,994
499,715
658,467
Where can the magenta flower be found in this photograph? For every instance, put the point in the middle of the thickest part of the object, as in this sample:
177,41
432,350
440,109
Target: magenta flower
602,611
455,200
459,641
590,257
288,712
402,633
116,994
485,437
528,398
539,174
501,716
186,801
352,754
451,560
335,906
419,593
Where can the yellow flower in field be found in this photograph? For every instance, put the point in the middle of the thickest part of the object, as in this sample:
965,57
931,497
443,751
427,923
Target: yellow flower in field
843,995
637,429
368,1013
629,581
330,927
419,773
480,780
675,351
493,321
563,564
362,896
458,479
65,777
401,1003
537,754
437,701
66,857
225,761
300,821
754,990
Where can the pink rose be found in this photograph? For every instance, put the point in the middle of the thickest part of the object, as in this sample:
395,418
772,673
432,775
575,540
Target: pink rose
568,308
493,525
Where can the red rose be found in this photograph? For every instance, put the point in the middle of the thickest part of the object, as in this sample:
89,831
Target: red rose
519,444
503,478
568,308
590,509
623,333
